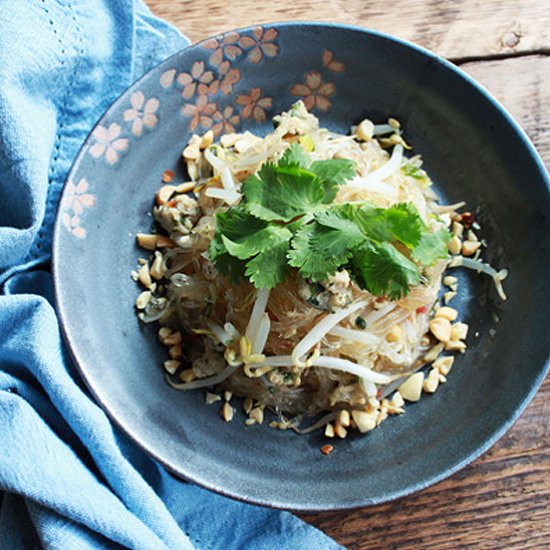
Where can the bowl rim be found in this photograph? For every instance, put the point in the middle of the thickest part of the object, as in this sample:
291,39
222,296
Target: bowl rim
72,346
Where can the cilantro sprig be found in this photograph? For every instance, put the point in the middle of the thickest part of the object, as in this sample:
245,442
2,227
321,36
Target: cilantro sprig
287,219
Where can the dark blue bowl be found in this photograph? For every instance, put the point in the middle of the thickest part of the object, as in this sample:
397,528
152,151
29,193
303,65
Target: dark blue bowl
473,150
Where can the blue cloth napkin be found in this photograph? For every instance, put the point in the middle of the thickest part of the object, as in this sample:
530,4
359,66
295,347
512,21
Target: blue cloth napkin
69,479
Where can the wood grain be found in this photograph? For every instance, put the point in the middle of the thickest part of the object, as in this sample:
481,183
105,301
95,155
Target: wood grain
455,29
522,85
502,500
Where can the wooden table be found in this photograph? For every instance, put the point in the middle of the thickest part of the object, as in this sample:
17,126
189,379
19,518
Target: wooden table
502,500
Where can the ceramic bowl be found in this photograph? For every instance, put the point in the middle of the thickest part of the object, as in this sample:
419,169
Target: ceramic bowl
473,150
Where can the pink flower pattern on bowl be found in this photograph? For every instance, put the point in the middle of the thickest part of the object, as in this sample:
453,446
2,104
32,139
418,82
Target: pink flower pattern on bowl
225,121
225,47
253,104
198,79
314,91
142,113
332,64
228,77
75,201
108,143
261,42
202,87
200,112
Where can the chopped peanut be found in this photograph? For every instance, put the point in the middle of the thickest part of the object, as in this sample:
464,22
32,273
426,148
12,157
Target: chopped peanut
455,345
207,139
157,269
187,375
143,299
164,332
172,339
340,431
191,152
227,412
144,275
444,364
365,421
329,430
248,403
164,194
164,241
441,329
433,352
412,387
431,382
459,331
147,241
397,400
175,352
470,247
257,415
448,313
212,398
172,365
185,187
454,245
458,229
343,418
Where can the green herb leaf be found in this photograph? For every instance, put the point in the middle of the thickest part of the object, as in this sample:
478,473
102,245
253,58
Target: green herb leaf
282,193
237,222
318,251
284,221
382,269
432,247
295,156
250,244
332,173
406,224
225,263
270,267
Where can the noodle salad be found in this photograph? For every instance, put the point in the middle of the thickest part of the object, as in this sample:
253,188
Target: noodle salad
302,272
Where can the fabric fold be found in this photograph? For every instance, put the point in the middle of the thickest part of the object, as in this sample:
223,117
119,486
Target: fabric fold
70,479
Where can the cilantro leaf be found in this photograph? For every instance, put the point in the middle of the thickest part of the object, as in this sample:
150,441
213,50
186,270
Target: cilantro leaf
295,156
225,263
334,170
318,251
432,247
270,267
383,270
342,217
251,243
371,221
237,221
282,192
286,220
406,224
332,173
